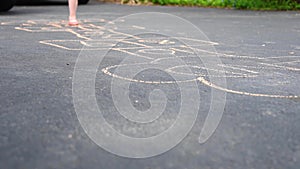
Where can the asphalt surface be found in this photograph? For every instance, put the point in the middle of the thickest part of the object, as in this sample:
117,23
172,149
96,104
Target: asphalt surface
39,126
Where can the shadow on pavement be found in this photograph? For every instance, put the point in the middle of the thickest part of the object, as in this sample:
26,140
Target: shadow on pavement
41,2
25,11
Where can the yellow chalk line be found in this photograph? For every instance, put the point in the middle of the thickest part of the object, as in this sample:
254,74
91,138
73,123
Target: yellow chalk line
138,27
288,62
133,43
237,68
238,75
106,71
207,83
54,45
283,67
130,53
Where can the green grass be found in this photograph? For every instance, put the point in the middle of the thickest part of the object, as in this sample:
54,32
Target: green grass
238,4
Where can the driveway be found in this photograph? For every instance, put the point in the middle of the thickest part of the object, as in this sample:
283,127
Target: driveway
249,92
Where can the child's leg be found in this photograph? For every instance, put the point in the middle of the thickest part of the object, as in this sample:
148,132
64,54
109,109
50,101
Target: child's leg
72,9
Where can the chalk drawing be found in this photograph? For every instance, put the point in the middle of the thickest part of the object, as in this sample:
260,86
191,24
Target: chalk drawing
159,49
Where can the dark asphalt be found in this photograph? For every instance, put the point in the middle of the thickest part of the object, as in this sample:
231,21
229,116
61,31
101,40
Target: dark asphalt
38,122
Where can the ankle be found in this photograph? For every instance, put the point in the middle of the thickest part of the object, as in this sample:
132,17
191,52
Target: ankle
72,18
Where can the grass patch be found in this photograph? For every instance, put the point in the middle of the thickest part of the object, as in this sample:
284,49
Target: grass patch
238,4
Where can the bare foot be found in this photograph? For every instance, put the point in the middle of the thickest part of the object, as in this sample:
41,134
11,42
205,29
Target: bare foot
73,22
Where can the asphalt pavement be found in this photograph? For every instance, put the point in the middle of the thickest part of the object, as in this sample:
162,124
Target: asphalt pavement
259,58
